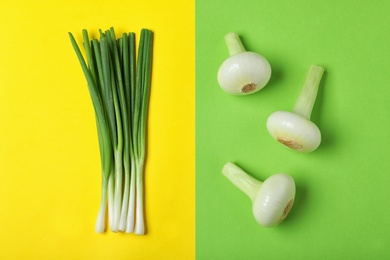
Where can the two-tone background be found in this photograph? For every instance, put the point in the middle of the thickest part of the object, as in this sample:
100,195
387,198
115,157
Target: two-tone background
49,158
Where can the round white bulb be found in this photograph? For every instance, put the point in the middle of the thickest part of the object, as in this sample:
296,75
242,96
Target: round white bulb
244,73
294,131
274,200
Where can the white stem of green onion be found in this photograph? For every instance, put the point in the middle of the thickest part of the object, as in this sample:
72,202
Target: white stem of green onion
118,191
139,218
111,196
131,209
101,219
126,194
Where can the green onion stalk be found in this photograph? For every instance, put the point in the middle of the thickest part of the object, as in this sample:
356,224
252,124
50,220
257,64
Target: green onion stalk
119,92
127,44
142,93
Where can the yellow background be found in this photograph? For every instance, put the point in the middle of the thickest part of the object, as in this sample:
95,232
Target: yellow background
49,157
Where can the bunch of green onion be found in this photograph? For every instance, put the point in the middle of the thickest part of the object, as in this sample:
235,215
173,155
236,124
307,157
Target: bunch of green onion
119,80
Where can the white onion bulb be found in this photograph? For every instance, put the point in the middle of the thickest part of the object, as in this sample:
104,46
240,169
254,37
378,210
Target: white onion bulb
243,72
294,129
272,199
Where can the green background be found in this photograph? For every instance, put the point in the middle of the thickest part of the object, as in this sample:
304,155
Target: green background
342,206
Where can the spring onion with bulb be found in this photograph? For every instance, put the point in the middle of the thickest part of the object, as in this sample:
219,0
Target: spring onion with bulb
243,72
272,199
294,129
119,86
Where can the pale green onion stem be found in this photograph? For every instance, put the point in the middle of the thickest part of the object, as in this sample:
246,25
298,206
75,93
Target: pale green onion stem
130,220
139,228
234,43
111,189
305,102
242,180
101,219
